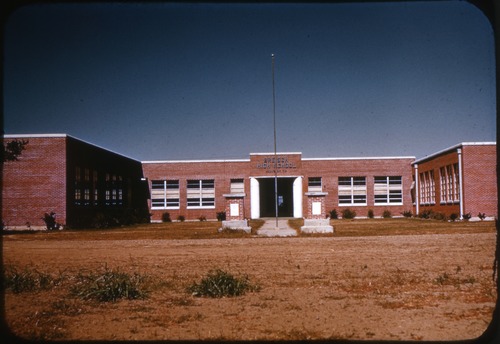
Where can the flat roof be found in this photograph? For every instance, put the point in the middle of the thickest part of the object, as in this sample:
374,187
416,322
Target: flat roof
446,150
248,160
27,136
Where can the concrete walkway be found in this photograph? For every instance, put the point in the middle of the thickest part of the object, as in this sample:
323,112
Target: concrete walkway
269,228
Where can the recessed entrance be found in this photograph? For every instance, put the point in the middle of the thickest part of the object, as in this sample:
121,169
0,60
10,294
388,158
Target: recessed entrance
267,197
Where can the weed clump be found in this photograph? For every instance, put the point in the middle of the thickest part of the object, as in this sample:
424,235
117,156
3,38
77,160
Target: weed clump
27,280
110,285
219,283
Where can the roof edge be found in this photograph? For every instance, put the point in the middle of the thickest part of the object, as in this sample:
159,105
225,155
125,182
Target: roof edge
449,149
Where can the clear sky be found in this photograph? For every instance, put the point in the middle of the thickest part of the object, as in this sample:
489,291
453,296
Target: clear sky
194,81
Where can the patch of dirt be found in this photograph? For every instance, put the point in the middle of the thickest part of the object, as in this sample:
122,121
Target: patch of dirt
404,287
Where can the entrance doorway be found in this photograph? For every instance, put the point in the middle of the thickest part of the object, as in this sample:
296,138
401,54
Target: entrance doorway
267,197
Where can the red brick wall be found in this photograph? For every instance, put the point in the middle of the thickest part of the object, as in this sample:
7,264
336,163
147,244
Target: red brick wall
480,180
221,172
434,164
330,170
36,183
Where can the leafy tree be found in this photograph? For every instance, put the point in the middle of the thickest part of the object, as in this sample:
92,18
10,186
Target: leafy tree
12,150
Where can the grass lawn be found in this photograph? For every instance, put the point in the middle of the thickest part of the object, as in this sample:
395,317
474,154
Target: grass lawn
209,230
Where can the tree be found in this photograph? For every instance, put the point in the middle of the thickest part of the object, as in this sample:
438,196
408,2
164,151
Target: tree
12,150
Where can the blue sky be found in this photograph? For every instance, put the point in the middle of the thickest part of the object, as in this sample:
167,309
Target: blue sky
194,81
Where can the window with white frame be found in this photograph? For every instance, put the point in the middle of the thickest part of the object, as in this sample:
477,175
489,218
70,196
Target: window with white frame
314,184
352,190
388,190
456,183
427,187
201,193
237,186
449,184
165,194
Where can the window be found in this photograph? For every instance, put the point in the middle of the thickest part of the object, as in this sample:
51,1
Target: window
237,186
352,191
86,196
388,190
314,184
427,188
456,182
95,187
165,194
201,193
449,184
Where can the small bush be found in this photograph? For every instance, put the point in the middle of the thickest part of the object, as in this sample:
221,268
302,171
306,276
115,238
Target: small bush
429,214
110,285
221,216
181,218
467,216
370,214
165,217
333,214
453,217
219,283
438,216
426,214
387,214
348,214
27,280
50,221
481,216
407,213
202,218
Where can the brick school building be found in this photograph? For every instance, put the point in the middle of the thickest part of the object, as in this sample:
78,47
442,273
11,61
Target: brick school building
84,184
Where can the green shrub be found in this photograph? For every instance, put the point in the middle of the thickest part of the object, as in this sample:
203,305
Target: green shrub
202,218
438,216
454,216
407,213
348,214
481,216
467,216
165,217
110,285
333,214
387,214
221,216
181,218
219,283
370,214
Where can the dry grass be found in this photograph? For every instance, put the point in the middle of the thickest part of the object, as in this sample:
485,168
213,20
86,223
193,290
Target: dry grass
209,230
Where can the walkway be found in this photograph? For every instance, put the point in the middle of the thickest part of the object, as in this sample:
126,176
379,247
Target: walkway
269,228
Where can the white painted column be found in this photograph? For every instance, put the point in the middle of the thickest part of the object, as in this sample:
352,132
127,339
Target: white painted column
254,198
417,191
297,197
460,184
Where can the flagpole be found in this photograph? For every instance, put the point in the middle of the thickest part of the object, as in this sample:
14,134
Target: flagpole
275,155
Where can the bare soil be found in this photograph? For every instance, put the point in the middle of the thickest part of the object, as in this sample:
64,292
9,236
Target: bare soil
371,279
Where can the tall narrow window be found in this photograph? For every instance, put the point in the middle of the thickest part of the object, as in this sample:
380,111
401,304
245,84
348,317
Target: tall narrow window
78,186
442,185
456,183
388,190
427,187
95,187
449,183
314,184
201,193
352,191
